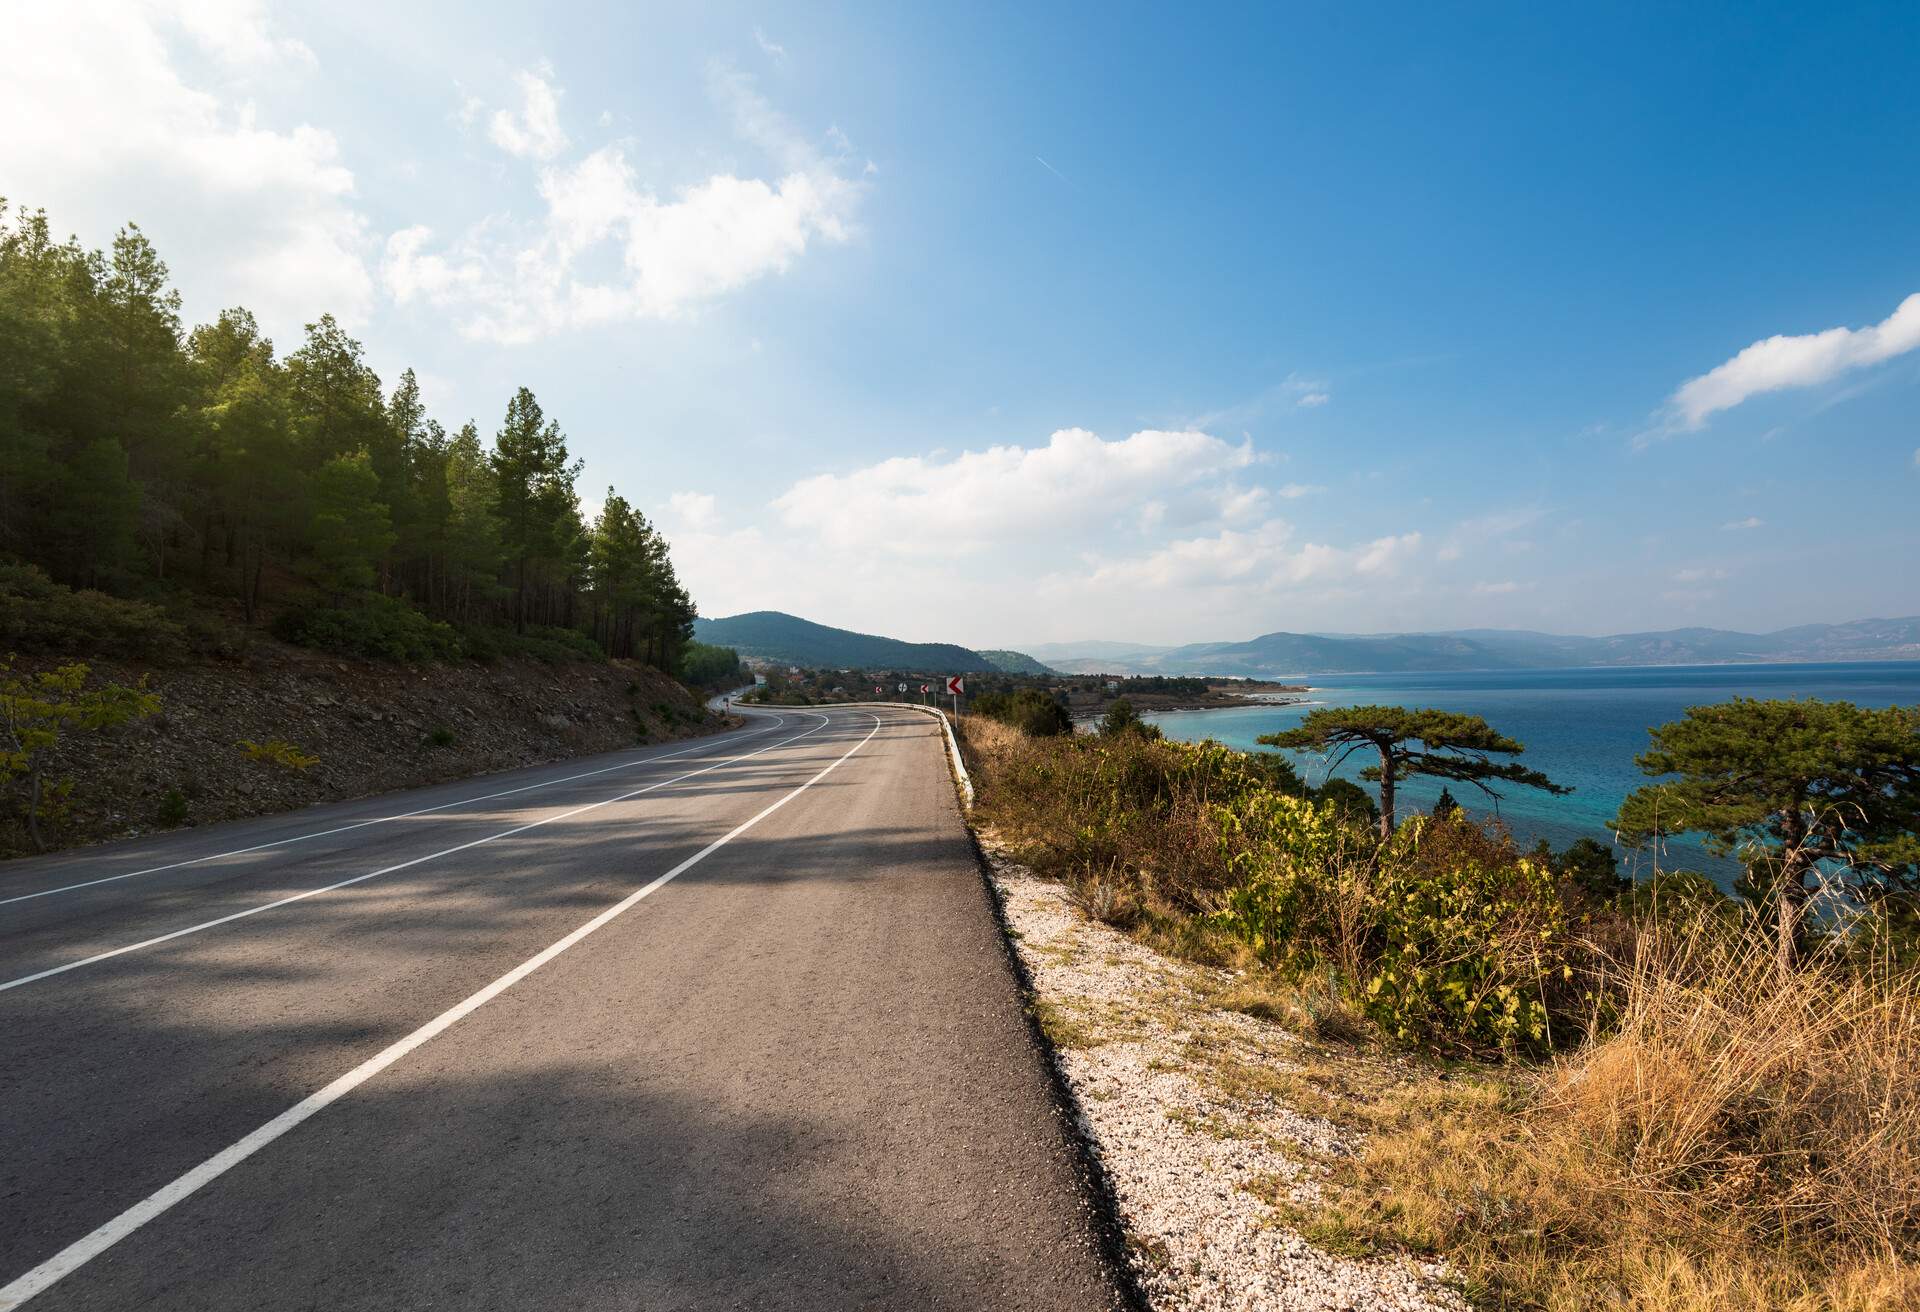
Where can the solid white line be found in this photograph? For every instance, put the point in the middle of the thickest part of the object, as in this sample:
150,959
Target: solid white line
387,870
78,1254
379,820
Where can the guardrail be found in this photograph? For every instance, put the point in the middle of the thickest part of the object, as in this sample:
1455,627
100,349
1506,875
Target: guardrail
961,778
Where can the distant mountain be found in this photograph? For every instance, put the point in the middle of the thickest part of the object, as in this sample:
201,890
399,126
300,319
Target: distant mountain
771,635
1016,662
1278,655
1070,651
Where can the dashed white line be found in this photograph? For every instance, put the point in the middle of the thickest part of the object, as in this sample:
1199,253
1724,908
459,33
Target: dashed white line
79,1253
387,870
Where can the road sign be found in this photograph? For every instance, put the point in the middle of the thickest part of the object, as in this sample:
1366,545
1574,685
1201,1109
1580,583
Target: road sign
903,687
956,685
925,688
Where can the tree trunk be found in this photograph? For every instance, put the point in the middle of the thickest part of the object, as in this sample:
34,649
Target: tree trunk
33,811
1386,793
1790,893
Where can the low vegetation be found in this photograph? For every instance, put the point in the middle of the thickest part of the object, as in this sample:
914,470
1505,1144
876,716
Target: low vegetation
36,712
1617,1096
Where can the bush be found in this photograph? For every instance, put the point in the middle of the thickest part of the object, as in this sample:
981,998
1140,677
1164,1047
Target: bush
1122,718
36,612
384,628
276,752
703,665
553,646
172,812
1029,710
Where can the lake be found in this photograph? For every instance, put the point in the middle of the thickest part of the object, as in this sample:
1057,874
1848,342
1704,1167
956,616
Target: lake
1582,728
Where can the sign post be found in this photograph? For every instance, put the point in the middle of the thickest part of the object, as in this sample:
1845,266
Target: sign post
924,690
956,685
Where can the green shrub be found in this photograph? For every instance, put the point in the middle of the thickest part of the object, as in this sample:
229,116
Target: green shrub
553,646
36,612
172,812
1474,946
1029,710
276,752
703,665
440,736
384,628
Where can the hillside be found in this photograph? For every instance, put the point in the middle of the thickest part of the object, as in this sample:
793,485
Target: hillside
1278,655
1016,662
771,635
374,726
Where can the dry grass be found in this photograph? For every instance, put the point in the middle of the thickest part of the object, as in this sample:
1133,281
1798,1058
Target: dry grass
1739,1138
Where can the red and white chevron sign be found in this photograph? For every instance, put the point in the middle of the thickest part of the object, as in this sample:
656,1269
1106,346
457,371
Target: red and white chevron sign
956,685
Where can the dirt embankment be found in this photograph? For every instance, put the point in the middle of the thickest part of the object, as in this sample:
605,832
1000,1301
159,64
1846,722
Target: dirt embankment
373,727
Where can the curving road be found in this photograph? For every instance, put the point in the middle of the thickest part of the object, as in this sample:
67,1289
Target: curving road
722,1024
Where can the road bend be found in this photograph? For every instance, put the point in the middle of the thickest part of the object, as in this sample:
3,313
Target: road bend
722,1024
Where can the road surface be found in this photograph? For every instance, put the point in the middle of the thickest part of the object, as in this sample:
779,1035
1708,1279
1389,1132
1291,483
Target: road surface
720,1024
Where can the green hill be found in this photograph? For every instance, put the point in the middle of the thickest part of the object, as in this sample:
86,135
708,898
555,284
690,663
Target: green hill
1016,662
771,635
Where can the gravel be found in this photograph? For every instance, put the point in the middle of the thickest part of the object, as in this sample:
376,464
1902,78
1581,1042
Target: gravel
1132,1034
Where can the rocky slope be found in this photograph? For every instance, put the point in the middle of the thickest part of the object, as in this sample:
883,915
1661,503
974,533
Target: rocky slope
373,727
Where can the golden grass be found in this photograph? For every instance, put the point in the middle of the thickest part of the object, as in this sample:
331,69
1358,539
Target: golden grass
1739,1137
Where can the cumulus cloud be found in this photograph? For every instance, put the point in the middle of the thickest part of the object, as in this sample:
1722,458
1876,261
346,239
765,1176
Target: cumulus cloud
671,251
1012,493
1751,521
246,212
1779,362
1257,561
697,511
534,131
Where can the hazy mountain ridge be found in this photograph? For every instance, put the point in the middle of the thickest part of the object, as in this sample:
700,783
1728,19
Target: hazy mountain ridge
772,635
1282,654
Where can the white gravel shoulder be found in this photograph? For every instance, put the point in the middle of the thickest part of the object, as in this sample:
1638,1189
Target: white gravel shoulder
1183,1156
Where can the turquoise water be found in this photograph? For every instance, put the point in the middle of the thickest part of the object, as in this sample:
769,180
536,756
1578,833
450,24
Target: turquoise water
1581,727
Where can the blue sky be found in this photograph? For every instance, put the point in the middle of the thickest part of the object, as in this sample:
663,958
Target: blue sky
1019,324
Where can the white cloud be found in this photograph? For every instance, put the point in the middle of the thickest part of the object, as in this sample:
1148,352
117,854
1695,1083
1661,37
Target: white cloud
1496,527
1313,400
772,49
1698,575
1008,493
1781,362
1294,491
103,126
671,252
1500,589
534,132
1255,562
696,511
1751,521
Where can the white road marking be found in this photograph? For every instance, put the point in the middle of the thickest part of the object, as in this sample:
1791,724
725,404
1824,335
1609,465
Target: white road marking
387,870
78,1254
378,820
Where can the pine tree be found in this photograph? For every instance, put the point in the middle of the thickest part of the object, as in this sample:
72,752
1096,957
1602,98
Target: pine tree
351,527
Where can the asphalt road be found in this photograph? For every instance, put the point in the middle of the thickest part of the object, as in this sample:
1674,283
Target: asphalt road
721,1024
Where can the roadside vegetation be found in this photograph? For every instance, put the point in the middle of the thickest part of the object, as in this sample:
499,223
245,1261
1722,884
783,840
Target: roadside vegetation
1580,1091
